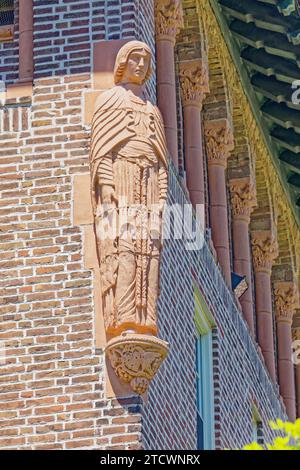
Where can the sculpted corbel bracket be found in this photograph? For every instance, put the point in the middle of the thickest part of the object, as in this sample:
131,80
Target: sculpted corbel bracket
136,359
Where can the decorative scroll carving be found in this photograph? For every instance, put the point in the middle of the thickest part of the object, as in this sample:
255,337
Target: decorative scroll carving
129,188
194,82
136,359
286,301
243,197
264,250
168,18
219,141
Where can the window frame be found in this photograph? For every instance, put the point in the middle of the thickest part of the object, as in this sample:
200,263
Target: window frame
204,323
257,426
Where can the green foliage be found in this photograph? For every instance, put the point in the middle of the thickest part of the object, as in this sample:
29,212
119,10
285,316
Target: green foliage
289,441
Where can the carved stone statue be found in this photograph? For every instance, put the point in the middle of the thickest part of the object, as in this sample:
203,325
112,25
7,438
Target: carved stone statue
129,189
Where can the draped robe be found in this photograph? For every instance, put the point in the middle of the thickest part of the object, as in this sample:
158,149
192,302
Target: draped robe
128,153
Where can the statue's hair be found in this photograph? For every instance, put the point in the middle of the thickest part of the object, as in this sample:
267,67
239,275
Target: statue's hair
122,59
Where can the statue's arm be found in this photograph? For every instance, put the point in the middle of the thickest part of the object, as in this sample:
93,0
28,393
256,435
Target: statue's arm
104,138
105,181
105,175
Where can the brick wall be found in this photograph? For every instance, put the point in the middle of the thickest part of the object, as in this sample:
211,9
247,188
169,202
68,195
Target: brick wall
64,31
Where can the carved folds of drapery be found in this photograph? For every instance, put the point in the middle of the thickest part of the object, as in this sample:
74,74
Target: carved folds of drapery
168,19
219,141
264,250
243,197
194,82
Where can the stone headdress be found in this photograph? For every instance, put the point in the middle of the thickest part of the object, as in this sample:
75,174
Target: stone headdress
122,58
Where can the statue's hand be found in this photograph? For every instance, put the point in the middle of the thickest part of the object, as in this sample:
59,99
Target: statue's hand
107,194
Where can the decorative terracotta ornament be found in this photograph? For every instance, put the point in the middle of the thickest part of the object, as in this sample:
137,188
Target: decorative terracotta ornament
129,170
169,19
264,250
136,359
6,33
194,81
243,198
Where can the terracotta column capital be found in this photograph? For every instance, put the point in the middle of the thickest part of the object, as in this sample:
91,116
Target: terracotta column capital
296,334
219,141
264,250
194,82
286,301
243,198
168,19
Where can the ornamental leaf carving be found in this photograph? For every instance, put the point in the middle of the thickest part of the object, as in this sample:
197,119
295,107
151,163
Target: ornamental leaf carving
169,18
243,198
264,251
194,82
219,141
286,301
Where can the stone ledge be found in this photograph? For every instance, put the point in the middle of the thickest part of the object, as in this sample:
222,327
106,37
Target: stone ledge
25,101
19,90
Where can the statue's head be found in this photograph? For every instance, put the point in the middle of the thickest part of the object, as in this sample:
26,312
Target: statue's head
133,63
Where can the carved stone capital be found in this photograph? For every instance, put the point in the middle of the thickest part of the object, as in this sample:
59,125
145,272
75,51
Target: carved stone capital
136,358
296,334
264,250
286,301
219,141
168,19
243,198
194,82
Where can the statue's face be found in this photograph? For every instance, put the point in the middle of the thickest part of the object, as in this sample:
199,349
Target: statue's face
137,67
